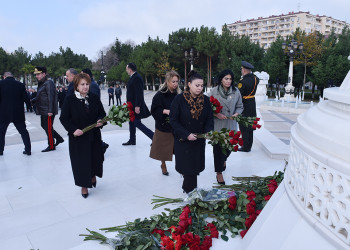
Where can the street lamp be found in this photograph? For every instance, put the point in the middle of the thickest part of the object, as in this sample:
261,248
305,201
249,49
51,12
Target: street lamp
293,47
191,57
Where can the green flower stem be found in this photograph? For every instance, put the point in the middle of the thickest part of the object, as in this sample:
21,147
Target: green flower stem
105,119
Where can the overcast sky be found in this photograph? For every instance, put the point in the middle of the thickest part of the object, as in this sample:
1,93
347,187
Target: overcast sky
87,26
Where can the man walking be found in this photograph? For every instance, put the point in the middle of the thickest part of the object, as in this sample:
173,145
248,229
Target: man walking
46,107
247,86
12,96
134,94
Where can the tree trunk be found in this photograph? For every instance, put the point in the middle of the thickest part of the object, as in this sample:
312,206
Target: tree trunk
208,70
210,75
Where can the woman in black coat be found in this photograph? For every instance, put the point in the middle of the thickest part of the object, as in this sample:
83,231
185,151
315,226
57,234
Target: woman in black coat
85,151
163,140
190,114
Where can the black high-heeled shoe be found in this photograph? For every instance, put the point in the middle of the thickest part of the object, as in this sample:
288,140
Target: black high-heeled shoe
85,195
164,173
94,184
220,182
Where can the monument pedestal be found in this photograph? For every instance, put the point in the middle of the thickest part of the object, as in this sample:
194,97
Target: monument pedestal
311,208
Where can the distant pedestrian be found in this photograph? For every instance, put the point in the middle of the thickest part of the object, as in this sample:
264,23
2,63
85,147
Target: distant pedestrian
61,96
47,107
118,95
134,94
12,96
110,95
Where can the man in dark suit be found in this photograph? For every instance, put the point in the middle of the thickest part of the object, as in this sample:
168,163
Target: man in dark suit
12,96
134,94
247,86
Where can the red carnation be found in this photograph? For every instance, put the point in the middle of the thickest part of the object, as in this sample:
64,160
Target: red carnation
251,207
254,127
267,197
235,148
272,186
129,105
240,142
232,133
257,119
187,238
186,210
250,220
251,195
243,232
258,126
233,202
255,122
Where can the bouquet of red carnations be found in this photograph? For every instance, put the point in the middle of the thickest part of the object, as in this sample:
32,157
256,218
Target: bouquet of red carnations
117,115
243,120
215,105
247,121
227,139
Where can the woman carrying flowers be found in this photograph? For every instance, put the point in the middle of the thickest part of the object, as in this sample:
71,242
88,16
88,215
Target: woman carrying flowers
163,140
190,114
231,101
85,151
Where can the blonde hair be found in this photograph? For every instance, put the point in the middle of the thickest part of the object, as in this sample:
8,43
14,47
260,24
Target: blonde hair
168,76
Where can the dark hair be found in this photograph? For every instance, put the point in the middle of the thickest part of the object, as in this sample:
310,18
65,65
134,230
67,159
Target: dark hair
193,75
79,77
224,73
132,66
87,71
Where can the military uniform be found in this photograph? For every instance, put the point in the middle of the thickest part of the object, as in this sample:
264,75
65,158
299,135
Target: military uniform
247,86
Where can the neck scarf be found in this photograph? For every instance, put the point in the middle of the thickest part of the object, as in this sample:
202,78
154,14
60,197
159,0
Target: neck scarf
82,99
196,104
223,93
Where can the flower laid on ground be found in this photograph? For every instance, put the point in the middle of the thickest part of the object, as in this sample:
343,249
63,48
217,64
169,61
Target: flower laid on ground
202,215
215,105
227,139
117,115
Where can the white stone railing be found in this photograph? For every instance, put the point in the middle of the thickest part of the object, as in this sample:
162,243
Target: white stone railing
318,174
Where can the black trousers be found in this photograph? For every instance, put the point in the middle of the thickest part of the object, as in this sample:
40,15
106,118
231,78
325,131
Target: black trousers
47,125
111,97
247,136
21,128
138,124
219,158
118,100
189,183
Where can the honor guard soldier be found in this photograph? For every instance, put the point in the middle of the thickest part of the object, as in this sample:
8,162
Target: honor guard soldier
247,86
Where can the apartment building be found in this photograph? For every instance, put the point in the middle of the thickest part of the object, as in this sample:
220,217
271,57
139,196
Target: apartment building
265,30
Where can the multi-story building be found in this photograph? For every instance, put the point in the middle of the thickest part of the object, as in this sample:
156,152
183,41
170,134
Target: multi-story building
265,30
